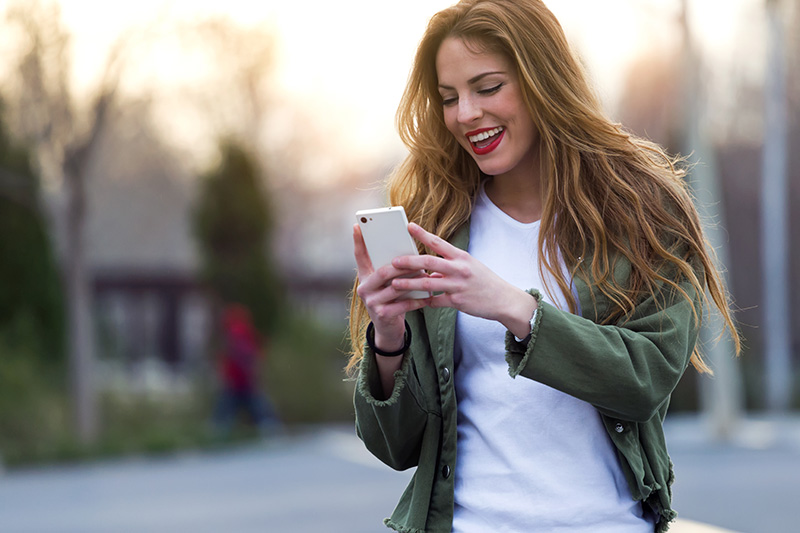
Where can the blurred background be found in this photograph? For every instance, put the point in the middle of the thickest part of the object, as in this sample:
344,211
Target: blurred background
162,160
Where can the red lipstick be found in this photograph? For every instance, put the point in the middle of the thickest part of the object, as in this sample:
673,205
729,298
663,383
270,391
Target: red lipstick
483,150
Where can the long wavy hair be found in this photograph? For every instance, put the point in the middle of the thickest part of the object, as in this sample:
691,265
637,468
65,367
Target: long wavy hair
607,195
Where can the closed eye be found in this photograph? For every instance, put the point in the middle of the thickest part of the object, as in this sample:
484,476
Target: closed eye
491,90
449,101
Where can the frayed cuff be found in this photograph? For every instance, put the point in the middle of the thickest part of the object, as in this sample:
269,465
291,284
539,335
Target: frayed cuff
369,381
402,529
518,353
666,518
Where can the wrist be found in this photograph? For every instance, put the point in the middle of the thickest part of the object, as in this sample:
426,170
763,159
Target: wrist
521,315
385,347
382,343
530,328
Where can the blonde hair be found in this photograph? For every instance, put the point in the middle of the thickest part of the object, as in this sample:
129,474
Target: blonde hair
606,194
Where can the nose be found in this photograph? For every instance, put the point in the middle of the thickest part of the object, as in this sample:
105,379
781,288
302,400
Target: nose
468,110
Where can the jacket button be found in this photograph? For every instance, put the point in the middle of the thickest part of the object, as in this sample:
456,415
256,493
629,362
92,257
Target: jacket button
446,374
446,471
619,428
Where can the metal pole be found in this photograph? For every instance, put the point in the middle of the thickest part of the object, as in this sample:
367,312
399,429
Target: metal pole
721,396
774,219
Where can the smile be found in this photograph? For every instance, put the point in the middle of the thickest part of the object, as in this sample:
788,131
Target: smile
485,141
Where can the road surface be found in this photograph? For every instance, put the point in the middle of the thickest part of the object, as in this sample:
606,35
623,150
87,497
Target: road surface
322,479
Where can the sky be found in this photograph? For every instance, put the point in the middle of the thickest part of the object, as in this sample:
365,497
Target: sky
346,62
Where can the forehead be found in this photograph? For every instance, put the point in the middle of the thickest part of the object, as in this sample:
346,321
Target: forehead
458,60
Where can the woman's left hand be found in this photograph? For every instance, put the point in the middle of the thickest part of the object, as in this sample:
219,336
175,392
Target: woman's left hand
460,281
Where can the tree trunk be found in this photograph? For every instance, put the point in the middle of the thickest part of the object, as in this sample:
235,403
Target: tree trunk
79,298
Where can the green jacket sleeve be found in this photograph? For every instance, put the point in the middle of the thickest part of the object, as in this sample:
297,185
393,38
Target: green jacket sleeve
391,429
626,371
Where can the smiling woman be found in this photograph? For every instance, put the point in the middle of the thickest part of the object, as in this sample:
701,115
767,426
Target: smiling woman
484,109
562,251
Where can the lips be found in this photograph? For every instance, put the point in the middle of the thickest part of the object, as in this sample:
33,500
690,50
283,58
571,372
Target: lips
485,140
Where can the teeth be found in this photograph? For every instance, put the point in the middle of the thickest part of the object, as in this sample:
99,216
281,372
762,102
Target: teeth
485,135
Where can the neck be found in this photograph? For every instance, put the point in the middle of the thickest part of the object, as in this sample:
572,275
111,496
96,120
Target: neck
519,196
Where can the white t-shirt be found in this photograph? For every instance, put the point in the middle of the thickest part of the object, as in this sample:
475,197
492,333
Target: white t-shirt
530,458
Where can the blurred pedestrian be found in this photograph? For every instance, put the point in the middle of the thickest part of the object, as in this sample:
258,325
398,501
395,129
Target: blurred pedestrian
563,252
239,372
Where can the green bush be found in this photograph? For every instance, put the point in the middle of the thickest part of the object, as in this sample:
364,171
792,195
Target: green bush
33,402
304,374
148,423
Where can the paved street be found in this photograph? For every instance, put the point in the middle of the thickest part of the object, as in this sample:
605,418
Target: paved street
749,485
323,480
315,482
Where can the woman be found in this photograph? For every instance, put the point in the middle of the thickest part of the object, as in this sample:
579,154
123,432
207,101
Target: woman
562,251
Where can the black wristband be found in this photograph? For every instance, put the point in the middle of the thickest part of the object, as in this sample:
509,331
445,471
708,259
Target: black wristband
401,351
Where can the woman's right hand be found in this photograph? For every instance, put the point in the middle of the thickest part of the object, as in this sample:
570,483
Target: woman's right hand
384,304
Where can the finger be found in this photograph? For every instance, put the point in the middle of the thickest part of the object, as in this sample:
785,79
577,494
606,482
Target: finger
377,289
363,262
412,304
385,305
440,300
433,242
432,284
383,276
429,263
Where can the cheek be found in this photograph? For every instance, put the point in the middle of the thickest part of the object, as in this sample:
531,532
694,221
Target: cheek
451,122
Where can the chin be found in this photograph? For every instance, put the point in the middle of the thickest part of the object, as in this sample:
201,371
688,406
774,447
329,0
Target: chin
493,169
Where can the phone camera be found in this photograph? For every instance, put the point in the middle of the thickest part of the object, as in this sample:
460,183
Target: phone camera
363,220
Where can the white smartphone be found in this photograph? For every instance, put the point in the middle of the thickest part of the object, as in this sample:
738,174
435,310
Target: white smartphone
385,232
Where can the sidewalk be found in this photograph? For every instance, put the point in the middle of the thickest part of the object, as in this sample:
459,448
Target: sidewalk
745,483
752,432
690,526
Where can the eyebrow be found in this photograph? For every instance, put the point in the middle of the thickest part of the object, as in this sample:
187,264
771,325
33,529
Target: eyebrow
474,79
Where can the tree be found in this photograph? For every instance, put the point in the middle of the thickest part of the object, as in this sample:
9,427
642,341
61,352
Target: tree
30,287
64,136
233,226
31,309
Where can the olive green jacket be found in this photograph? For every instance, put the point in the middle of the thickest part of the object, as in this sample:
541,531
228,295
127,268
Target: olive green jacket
627,372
